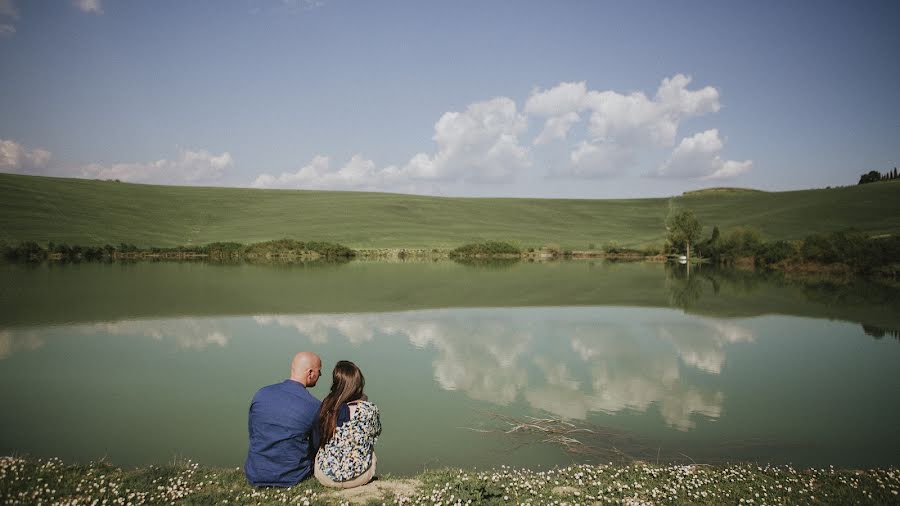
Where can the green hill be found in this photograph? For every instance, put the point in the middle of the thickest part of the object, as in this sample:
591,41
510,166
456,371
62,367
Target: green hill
90,212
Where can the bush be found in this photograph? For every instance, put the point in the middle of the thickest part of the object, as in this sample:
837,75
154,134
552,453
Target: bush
741,242
27,251
330,249
774,252
488,248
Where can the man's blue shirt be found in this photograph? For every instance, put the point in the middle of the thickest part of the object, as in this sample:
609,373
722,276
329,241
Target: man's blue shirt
282,436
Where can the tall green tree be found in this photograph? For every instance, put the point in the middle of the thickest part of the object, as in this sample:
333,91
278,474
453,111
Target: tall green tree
683,227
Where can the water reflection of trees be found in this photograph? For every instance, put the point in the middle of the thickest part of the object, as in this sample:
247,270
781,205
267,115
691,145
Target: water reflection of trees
879,333
684,290
733,292
490,264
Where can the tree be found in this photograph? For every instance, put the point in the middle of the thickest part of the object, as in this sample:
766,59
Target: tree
871,177
683,227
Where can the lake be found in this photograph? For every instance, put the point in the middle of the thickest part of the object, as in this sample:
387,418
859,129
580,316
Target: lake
524,364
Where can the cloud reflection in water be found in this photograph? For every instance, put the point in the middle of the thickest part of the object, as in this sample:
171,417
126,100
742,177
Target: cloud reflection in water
595,364
565,361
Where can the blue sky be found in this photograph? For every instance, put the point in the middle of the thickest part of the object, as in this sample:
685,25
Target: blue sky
536,99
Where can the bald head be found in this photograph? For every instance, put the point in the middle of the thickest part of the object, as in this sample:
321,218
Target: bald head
306,368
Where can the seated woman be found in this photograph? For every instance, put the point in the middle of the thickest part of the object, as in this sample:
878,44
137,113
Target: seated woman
348,427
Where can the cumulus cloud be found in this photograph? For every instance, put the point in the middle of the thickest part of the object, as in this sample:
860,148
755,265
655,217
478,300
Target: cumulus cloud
192,167
357,174
480,144
7,30
698,157
557,101
557,127
15,157
591,159
619,124
94,6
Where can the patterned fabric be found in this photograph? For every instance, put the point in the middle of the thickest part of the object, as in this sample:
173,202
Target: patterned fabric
349,453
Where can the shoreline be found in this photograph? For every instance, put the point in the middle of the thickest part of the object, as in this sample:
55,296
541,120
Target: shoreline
836,272
29,481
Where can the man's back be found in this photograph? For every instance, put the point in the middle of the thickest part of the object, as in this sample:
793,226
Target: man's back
281,422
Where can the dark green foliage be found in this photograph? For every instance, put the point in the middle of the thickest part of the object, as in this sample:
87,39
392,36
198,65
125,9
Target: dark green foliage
870,177
330,249
32,251
485,249
853,248
683,230
741,242
873,176
29,251
773,252
737,243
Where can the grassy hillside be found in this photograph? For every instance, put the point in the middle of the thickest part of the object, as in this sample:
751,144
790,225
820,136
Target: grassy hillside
90,212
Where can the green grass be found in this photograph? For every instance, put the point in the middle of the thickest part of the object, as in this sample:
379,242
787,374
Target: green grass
30,481
90,212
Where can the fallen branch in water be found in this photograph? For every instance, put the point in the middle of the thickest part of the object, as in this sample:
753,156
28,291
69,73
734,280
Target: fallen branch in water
593,442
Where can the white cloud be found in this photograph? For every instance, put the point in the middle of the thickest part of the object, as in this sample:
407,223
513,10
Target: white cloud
557,101
191,167
94,6
357,174
619,125
7,30
15,157
599,159
480,144
698,157
557,127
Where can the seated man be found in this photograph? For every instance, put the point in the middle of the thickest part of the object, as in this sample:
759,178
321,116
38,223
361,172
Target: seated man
281,425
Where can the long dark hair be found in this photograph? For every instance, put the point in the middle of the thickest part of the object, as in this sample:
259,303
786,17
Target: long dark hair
347,384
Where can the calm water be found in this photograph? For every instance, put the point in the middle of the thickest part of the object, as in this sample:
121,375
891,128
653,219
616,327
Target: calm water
143,362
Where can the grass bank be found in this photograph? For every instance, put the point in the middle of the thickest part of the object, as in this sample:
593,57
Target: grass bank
90,212
33,481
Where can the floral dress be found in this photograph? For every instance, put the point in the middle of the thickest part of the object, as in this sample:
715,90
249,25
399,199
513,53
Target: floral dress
349,452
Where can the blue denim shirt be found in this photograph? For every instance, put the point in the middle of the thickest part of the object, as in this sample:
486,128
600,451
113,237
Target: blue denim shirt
283,441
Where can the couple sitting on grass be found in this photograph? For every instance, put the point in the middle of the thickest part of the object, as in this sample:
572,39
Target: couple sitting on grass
293,435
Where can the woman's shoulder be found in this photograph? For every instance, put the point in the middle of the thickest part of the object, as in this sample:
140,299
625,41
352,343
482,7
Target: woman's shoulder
365,405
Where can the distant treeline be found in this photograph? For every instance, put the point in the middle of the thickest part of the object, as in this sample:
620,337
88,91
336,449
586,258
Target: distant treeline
873,176
282,248
857,251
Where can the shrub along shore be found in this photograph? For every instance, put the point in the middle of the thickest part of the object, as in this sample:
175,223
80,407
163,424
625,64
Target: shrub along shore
843,252
39,481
